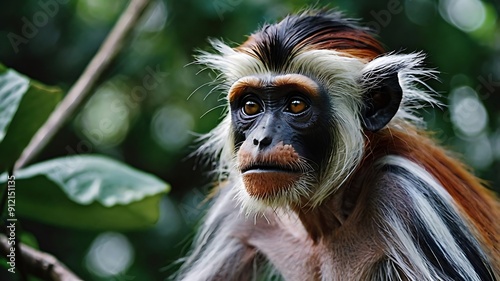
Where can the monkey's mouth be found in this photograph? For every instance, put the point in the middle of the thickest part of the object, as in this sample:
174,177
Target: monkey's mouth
268,168
266,181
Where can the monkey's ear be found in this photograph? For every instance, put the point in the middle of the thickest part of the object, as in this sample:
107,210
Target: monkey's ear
381,100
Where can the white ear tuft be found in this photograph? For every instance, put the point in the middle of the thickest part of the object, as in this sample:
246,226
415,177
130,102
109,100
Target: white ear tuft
411,75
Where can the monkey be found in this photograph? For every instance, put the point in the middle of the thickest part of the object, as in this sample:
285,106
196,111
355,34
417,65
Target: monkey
325,170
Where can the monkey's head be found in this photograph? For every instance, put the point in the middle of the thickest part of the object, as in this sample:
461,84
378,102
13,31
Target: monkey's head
302,94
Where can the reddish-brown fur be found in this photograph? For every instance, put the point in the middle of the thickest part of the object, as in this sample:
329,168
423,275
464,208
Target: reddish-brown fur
298,82
355,43
281,154
241,86
268,184
301,83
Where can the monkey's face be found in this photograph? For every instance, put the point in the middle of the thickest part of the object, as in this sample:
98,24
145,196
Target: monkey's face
302,94
281,132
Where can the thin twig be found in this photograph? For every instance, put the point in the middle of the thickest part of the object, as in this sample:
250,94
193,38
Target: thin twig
39,264
87,81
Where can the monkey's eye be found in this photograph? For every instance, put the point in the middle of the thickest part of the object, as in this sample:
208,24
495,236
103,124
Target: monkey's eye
297,105
251,107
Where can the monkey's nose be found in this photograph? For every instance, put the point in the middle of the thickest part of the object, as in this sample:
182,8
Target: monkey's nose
265,141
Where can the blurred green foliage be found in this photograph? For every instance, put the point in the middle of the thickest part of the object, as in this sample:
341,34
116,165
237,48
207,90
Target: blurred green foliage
148,109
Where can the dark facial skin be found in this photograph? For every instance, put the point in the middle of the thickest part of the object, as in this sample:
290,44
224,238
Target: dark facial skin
279,127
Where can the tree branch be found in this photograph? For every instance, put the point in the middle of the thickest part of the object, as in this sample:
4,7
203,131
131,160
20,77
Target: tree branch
87,81
39,264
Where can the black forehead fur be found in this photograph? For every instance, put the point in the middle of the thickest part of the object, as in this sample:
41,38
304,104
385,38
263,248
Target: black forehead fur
276,44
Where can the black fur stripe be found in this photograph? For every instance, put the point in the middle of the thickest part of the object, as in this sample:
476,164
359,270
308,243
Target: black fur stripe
464,239
277,44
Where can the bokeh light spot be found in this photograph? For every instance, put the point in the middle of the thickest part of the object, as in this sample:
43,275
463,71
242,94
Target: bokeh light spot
105,118
468,113
479,152
171,126
467,15
110,254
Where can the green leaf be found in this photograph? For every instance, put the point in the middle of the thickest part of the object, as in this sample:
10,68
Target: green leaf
12,89
24,106
88,192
